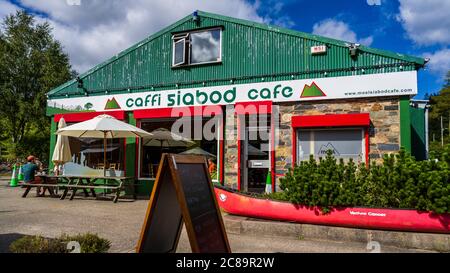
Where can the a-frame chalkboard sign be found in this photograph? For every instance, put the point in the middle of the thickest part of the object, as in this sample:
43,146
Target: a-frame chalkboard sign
183,192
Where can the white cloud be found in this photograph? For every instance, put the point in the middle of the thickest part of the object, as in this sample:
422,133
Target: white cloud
426,22
98,29
7,8
339,30
439,61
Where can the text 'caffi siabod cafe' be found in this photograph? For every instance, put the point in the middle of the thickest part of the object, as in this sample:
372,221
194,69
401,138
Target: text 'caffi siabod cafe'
254,99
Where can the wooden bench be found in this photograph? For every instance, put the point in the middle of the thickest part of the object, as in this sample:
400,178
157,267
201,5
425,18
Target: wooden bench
46,187
116,188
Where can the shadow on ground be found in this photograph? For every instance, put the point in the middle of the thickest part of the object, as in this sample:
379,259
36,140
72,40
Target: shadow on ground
7,239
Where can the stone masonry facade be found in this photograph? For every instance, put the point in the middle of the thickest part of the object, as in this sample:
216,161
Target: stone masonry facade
384,131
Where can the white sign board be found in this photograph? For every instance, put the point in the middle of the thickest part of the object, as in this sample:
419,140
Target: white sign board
349,87
318,49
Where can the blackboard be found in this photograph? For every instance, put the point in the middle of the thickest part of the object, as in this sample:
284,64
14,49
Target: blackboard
183,192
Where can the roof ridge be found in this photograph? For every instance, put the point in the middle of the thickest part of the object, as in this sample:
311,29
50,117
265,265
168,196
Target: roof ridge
311,36
263,26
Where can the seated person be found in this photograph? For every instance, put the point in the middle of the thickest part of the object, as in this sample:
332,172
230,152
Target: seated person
29,171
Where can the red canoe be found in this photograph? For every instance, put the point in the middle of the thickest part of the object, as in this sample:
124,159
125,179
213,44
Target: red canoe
387,219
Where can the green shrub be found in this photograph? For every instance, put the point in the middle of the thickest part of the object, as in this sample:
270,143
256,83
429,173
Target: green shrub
37,244
399,182
89,243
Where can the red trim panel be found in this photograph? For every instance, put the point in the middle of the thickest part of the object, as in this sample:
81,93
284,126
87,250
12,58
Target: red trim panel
366,137
221,151
206,111
294,147
272,152
251,108
338,120
83,116
238,125
386,219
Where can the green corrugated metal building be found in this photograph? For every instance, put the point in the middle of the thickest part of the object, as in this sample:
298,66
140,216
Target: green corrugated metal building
315,94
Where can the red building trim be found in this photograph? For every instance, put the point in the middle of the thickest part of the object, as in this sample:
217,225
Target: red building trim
330,120
83,116
367,139
272,152
253,107
294,146
178,112
175,112
338,120
239,139
221,151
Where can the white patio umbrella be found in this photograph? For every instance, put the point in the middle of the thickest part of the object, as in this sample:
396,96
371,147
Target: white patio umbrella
62,153
103,126
162,137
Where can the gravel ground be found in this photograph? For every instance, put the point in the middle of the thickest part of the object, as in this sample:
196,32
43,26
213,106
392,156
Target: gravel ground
121,223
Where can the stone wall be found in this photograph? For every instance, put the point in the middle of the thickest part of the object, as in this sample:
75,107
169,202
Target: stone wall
231,152
384,131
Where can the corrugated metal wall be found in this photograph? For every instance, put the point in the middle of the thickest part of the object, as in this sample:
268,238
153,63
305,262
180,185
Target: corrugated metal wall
246,52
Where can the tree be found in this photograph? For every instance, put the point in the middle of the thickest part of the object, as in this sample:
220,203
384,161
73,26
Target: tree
447,79
440,107
32,62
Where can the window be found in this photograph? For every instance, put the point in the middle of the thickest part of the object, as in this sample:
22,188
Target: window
197,47
179,52
345,143
88,152
151,150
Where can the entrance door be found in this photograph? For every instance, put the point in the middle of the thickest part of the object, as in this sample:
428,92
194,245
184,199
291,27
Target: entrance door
255,157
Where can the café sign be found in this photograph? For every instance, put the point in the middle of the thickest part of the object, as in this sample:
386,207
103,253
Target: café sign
349,87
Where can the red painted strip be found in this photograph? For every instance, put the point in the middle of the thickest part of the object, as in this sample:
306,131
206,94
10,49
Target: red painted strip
221,152
385,219
83,116
178,112
366,136
338,120
272,147
251,108
239,152
294,147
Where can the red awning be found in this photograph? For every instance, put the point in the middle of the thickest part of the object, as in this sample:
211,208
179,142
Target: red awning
332,120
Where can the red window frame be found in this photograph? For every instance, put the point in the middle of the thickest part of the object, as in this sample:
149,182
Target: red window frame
253,108
175,112
361,120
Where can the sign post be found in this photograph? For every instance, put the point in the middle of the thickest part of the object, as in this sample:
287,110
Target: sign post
183,192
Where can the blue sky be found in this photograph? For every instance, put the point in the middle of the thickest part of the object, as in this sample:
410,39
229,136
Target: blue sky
94,30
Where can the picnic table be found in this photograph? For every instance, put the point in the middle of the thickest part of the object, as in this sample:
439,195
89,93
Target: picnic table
43,181
85,183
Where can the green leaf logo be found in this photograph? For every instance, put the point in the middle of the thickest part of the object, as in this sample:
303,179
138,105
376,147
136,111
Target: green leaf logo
112,104
312,90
